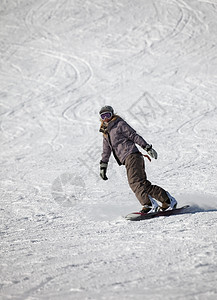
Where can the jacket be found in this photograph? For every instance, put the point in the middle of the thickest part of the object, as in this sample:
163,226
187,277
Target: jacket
120,138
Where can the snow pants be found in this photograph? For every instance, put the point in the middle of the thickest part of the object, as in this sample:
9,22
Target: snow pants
138,182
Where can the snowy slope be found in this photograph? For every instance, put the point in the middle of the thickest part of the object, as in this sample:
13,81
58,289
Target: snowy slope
62,231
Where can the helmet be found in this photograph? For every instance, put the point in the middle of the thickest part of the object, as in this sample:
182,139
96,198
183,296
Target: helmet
106,108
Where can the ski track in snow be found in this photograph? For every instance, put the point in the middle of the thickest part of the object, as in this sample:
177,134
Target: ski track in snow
63,235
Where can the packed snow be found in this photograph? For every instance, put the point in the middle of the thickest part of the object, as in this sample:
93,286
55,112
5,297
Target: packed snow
63,232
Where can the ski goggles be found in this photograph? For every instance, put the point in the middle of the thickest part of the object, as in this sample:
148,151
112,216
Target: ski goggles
106,115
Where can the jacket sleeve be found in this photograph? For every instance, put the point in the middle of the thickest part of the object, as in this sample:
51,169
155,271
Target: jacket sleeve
106,150
131,134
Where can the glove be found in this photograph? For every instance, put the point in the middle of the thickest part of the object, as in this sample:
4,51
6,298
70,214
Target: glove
150,151
103,169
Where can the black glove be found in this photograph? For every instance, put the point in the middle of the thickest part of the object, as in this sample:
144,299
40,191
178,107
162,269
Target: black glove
103,169
150,151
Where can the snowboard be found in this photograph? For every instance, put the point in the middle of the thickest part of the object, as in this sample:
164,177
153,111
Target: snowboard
138,216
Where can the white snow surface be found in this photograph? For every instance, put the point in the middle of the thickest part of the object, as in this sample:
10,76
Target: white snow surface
63,235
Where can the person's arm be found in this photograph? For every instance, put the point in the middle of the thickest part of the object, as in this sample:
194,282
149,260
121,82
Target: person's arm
106,153
105,158
131,134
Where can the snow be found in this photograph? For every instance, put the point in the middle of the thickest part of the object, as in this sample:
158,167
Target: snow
63,235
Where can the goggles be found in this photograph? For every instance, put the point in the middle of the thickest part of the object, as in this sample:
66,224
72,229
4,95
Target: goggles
106,115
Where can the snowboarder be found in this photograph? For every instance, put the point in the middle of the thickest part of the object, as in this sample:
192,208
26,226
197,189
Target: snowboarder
120,138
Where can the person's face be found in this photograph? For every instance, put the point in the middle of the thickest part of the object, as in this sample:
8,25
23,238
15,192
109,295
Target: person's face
106,116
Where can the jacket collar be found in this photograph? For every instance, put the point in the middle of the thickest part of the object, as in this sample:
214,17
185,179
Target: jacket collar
106,127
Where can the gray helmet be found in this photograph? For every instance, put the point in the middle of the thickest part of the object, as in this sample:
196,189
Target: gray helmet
105,109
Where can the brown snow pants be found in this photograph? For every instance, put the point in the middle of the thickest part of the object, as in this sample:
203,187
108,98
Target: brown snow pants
138,182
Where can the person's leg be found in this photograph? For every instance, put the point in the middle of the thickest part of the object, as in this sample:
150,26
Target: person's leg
138,182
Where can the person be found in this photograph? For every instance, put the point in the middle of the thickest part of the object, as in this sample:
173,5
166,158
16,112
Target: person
120,139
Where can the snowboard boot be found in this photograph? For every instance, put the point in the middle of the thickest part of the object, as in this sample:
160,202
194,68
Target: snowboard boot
150,208
169,204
